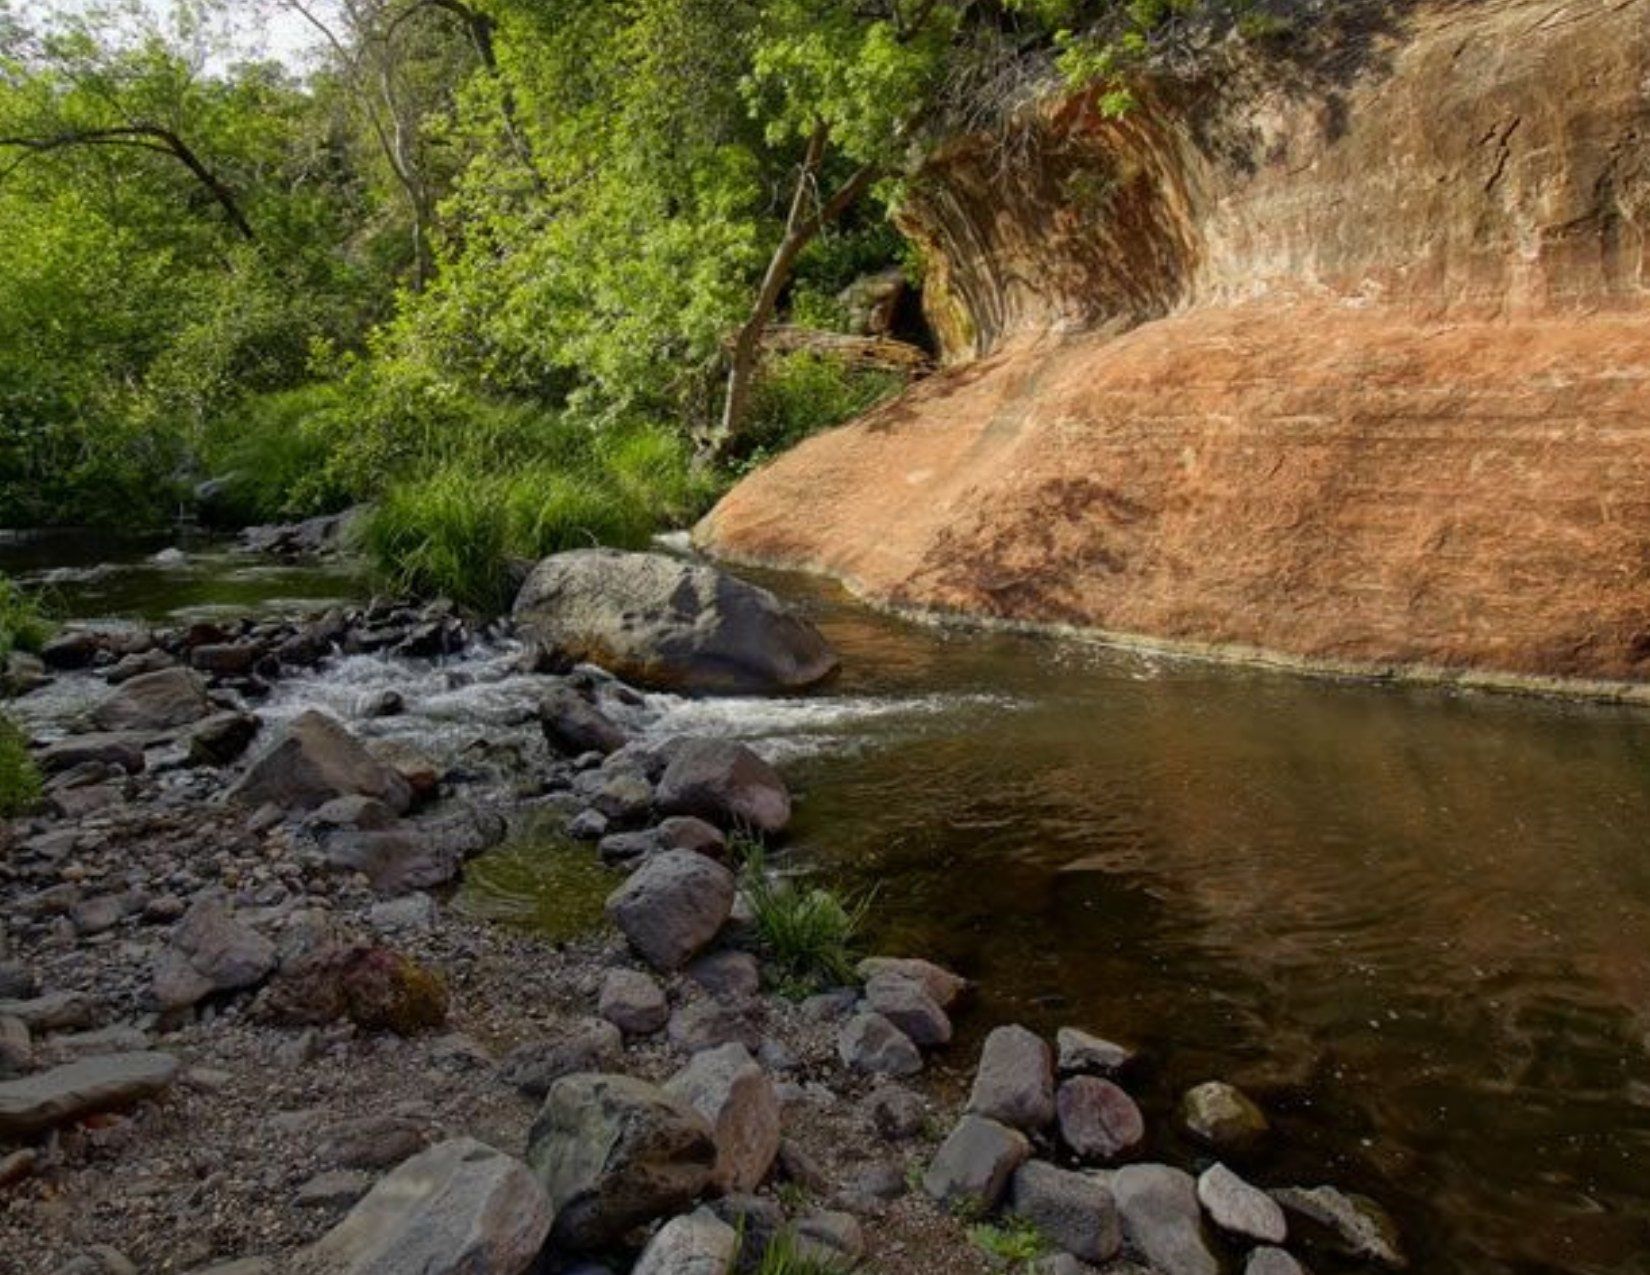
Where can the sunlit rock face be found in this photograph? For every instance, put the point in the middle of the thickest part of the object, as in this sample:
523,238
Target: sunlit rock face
1350,364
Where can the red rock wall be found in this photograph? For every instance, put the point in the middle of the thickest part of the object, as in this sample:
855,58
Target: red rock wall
1354,372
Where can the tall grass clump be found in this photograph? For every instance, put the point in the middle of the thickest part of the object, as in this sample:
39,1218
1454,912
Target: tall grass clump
810,934
19,779
272,454
23,624
802,393
785,1256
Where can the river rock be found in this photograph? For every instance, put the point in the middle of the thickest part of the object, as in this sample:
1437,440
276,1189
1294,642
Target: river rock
974,1166
1083,1054
153,702
728,974
415,855
737,1098
1351,1225
1098,1121
673,906
1240,1209
221,738
1015,1082
211,951
633,1002
871,1044
944,988
225,659
668,624
1073,1210
1272,1261
907,1005
1161,1218
71,649
698,1243
614,1152
574,726
894,1111
586,1044
376,988
830,1238
313,760
111,1082
122,750
16,1047
53,1012
1222,1116
460,1208
710,1023
726,784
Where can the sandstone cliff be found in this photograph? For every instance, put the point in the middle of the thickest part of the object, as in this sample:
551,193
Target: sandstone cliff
1352,366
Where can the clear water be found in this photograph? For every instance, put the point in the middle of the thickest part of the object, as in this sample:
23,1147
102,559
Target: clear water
1415,924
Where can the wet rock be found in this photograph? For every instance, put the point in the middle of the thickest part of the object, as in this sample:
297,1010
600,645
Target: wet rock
123,751
1350,1225
737,1098
726,784
221,738
668,624
673,906
153,702
460,1208
1074,1211
697,1243
907,1005
110,1083
421,773
1081,1053
211,951
895,1112
1222,1116
944,988
71,649
633,1002
314,760
573,725
1239,1209
871,1044
1015,1082
973,1167
730,975
227,659
707,1024
1272,1261
384,703
1098,1121
587,1044
1161,1218
614,1152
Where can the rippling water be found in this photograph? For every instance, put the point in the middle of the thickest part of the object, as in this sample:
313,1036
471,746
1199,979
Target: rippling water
1416,924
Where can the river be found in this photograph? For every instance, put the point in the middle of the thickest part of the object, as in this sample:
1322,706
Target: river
1416,924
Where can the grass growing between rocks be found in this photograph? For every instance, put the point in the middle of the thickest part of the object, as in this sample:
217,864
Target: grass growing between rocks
19,779
809,934
23,624
1013,1241
784,1256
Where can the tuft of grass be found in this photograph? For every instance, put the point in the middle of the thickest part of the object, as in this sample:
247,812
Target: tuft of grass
808,933
784,1256
23,624
19,778
1014,1241
802,393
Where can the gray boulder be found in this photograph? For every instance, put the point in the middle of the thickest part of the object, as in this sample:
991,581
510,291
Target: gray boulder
153,702
614,1152
907,1005
974,1166
1239,1209
1098,1121
724,783
460,1208
574,726
738,1099
674,905
871,1044
633,1002
415,855
698,1243
313,760
667,624
1015,1082
1161,1219
210,952
1074,1211
106,1083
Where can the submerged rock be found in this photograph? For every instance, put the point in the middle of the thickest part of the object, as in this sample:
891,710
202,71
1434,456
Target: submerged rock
668,624
1223,1116
1083,1054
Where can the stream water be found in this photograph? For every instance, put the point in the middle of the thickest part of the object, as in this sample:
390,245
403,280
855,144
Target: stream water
1415,924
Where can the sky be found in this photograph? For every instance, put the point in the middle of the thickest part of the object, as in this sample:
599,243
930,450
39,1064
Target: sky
257,28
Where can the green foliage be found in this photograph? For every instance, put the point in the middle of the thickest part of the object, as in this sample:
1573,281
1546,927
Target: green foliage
809,933
800,394
1014,1241
19,779
23,623
784,1256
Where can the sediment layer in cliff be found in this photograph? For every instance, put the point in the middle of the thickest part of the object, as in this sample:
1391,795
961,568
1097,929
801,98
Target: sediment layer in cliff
1353,367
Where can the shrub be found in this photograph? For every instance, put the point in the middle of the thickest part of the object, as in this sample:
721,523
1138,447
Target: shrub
808,932
19,780
23,626
272,454
803,393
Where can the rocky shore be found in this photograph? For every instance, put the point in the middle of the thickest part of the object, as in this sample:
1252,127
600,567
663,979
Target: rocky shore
244,1029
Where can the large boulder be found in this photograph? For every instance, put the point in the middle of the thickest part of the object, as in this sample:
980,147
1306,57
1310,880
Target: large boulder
730,1090
724,783
668,624
460,1208
615,1152
312,761
39,1102
673,905
160,701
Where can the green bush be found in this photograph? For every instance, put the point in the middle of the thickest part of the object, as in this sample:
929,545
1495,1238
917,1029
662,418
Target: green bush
23,625
272,454
19,780
1015,1242
803,393
808,932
